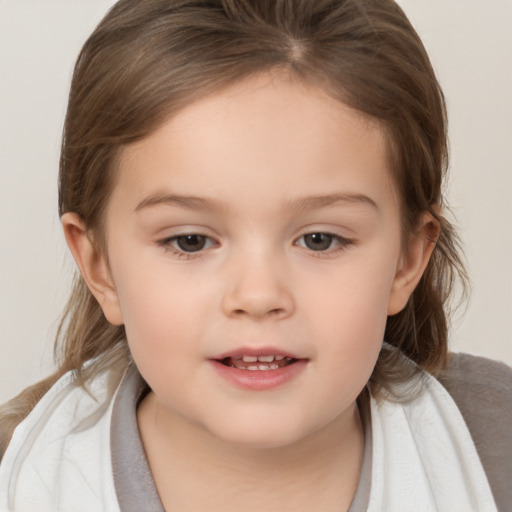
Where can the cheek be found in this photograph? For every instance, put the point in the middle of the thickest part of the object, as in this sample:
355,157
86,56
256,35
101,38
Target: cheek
160,308
353,296
349,313
356,332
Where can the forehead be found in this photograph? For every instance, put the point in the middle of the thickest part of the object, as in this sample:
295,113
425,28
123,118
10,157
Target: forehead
265,135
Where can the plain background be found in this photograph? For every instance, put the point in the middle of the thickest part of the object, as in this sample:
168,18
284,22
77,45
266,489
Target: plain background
470,44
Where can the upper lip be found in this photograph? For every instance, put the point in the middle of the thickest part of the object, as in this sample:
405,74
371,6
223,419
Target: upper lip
255,352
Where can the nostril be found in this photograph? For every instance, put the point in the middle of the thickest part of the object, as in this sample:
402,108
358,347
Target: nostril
268,303
270,313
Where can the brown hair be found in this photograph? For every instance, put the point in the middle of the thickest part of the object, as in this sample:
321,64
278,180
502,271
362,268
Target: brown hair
147,59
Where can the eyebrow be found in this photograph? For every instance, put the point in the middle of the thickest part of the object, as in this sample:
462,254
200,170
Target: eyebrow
299,205
318,202
189,202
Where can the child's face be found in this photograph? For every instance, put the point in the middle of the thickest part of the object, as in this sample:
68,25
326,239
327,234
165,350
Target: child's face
293,248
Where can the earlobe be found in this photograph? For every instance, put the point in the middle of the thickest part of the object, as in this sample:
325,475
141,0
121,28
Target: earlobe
413,263
93,266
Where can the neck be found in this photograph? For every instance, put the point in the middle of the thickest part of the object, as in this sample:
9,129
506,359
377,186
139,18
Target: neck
193,470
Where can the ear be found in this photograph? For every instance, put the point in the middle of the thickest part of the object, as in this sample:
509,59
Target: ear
93,266
413,262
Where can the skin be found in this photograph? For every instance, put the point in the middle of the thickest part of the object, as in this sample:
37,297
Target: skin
255,155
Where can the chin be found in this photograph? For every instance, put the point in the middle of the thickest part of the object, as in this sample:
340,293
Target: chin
259,435
259,442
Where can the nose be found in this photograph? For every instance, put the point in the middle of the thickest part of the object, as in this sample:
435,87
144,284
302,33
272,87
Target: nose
257,287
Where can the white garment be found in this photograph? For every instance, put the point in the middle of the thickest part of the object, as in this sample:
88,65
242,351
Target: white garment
423,460
59,457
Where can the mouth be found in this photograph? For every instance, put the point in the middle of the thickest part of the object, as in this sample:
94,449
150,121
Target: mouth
258,363
259,370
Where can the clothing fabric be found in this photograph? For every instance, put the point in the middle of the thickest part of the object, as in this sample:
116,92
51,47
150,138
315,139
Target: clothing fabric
424,455
58,459
61,457
482,389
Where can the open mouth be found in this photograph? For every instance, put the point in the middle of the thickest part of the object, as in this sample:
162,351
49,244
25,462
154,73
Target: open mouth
258,369
261,363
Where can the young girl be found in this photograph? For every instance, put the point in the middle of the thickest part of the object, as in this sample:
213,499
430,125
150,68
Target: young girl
251,190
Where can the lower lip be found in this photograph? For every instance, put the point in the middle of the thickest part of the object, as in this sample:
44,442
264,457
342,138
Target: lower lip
259,380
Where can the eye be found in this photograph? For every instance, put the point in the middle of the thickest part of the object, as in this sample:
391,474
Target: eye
191,243
322,242
318,241
187,243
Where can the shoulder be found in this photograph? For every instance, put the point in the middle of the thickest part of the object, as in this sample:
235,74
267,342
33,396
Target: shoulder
482,390
61,407
62,443
478,381
13,412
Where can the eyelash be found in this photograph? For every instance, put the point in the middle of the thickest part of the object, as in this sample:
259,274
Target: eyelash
342,243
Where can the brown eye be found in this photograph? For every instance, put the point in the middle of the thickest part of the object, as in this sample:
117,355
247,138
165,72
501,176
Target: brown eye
318,241
191,243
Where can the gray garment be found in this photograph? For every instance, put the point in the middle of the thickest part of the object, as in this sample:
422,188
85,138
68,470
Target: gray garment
135,487
481,388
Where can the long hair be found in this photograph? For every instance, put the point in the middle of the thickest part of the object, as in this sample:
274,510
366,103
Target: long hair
148,59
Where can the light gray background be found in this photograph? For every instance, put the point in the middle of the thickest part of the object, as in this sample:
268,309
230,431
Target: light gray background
470,44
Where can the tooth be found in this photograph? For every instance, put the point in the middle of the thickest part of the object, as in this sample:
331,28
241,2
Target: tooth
274,366
266,359
249,359
279,358
252,368
263,367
